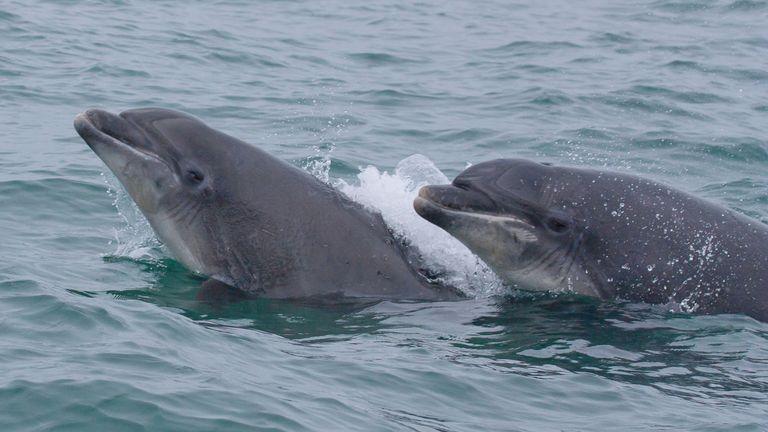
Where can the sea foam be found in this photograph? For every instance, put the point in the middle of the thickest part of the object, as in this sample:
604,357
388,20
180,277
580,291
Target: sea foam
392,194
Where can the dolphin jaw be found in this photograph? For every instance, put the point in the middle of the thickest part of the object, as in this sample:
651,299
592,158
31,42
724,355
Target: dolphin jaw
137,169
167,231
87,124
442,213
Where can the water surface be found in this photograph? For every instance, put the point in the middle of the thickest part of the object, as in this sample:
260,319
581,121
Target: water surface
100,330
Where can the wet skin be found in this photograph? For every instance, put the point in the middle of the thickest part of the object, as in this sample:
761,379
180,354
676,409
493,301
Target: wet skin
248,220
604,234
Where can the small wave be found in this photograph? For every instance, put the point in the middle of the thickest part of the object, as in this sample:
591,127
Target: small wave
551,98
638,104
391,97
379,59
738,149
531,47
616,38
44,195
739,74
243,58
18,286
659,142
102,69
7,16
538,69
684,64
182,38
465,135
219,34
322,124
593,134
747,5
680,96
681,6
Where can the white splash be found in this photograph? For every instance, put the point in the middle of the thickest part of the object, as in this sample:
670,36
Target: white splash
319,165
392,195
135,238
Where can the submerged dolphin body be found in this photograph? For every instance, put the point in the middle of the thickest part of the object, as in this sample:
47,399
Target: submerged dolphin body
231,211
604,234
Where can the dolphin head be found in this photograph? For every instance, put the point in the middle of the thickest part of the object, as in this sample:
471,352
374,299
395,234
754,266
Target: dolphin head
135,145
510,212
183,176
231,211
160,158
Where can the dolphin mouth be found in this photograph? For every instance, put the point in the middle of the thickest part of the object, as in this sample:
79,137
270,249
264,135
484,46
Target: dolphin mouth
450,207
104,132
443,205
452,198
432,211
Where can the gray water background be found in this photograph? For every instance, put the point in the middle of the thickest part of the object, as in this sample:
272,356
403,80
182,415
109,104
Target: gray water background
100,331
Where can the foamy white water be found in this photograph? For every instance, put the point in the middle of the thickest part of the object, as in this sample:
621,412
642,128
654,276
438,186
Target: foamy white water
135,239
392,194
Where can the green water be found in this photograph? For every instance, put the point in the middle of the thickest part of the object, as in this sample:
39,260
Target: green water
99,329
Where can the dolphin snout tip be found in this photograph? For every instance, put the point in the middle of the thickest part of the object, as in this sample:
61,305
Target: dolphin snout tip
84,123
88,114
420,205
96,123
422,200
424,204
89,117
81,118
423,192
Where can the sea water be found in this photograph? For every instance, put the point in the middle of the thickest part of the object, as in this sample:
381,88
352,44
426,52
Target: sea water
99,327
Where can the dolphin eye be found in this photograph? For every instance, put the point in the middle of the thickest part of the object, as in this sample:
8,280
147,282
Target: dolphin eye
195,177
558,225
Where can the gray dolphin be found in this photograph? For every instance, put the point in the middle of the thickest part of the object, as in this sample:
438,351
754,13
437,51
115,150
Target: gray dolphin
604,234
231,211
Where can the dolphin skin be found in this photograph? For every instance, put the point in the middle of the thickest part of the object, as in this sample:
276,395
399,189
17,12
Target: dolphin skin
246,219
604,234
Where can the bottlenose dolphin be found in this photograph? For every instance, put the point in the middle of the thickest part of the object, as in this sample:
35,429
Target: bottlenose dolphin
604,234
248,220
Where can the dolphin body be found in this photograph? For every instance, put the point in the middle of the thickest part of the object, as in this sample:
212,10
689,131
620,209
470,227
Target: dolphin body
248,220
604,234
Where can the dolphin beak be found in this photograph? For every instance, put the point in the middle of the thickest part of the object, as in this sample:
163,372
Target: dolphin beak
99,127
108,134
426,208
455,198
441,203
